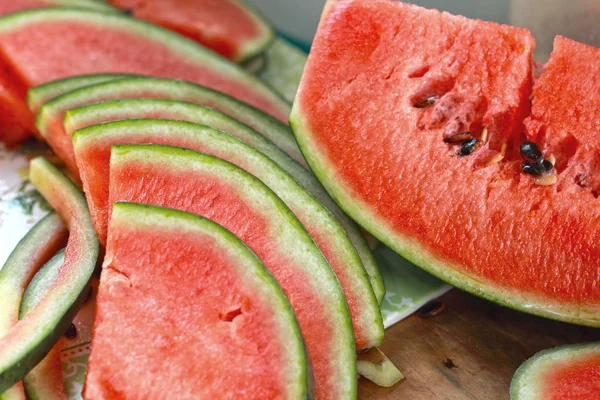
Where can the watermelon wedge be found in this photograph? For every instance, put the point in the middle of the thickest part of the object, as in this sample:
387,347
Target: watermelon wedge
93,150
205,185
235,337
50,119
376,367
232,28
45,381
563,373
377,81
34,42
166,109
9,7
40,243
26,343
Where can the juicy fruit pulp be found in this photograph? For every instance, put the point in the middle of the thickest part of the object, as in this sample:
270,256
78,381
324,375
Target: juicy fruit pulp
50,119
229,27
235,335
33,46
27,342
205,185
93,147
563,373
390,95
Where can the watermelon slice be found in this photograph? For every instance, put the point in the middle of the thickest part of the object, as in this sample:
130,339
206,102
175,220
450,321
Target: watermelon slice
235,337
166,109
27,342
9,7
394,82
226,194
50,119
93,150
232,28
376,367
40,243
45,381
33,46
564,373
283,67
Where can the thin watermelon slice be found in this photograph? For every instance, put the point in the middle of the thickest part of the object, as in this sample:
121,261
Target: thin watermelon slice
93,150
39,95
232,28
283,67
166,109
40,243
27,342
564,373
376,367
47,44
378,82
205,185
8,7
45,381
50,119
235,337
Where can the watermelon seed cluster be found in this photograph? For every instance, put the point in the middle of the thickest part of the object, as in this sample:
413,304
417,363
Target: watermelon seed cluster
536,165
468,143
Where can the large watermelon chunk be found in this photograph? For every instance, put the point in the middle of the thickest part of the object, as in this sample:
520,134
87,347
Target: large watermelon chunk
388,84
208,186
46,44
564,373
93,151
230,27
186,308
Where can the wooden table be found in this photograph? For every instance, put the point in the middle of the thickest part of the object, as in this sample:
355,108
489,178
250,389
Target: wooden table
469,351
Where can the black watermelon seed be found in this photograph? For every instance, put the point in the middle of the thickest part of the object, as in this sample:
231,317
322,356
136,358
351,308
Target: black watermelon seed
531,152
431,309
458,137
468,147
534,168
548,166
426,102
71,332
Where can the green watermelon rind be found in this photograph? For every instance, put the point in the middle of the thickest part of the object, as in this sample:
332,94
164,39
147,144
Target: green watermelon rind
176,43
26,344
39,95
271,128
275,177
38,383
89,4
527,381
301,242
141,216
416,253
255,47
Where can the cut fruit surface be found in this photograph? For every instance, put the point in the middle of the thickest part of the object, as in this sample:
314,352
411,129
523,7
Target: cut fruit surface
33,46
45,381
205,185
27,342
49,120
93,147
9,7
235,337
230,27
37,247
564,373
377,82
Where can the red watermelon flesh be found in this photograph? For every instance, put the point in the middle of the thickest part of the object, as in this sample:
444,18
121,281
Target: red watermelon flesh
16,121
33,45
575,381
391,81
186,309
204,185
228,27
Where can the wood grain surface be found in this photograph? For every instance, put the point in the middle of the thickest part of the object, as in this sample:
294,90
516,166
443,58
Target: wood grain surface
469,351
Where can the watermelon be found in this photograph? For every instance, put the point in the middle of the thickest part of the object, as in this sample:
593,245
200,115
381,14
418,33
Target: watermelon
235,335
40,243
376,367
50,119
283,67
45,381
231,28
8,7
42,45
93,151
396,85
564,373
205,185
26,343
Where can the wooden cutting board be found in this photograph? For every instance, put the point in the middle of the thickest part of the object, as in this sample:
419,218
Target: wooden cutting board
469,351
